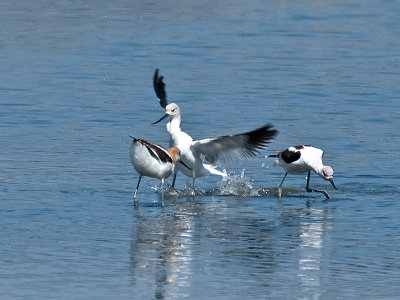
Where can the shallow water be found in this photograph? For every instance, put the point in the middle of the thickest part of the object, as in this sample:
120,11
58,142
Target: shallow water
76,80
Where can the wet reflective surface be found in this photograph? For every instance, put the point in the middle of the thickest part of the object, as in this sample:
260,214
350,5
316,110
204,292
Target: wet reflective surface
76,80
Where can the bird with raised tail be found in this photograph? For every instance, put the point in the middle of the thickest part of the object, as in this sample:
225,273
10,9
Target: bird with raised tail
304,159
153,161
242,145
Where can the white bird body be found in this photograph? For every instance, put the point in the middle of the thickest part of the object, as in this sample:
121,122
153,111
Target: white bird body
189,153
192,151
152,161
304,159
310,160
147,164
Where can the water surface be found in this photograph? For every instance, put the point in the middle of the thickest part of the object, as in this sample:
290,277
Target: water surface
76,80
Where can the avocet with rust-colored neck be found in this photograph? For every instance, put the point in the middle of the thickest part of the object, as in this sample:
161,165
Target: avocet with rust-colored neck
153,161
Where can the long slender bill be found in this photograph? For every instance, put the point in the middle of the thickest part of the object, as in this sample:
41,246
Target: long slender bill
162,118
331,181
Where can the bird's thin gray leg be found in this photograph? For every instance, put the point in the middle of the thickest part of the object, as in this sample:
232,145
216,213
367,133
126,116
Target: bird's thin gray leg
137,188
313,190
193,178
162,192
174,179
280,186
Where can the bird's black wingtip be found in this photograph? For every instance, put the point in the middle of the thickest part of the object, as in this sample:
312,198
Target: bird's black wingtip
157,79
260,138
159,88
268,131
270,127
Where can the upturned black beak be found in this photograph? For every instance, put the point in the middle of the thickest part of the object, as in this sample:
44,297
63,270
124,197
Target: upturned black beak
331,181
185,165
162,118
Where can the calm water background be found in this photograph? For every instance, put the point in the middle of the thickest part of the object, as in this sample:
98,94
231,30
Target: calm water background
76,80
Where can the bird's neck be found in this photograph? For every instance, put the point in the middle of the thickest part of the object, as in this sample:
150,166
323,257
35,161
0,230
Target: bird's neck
174,153
174,125
318,170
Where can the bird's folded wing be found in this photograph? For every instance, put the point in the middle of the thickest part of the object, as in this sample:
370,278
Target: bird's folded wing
229,147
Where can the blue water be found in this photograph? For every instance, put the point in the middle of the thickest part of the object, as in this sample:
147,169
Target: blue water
76,80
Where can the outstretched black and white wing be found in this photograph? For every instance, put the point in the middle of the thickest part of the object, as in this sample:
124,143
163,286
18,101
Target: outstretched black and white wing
159,88
243,145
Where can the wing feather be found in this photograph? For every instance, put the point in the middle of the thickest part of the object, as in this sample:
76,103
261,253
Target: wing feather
159,88
158,152
229,147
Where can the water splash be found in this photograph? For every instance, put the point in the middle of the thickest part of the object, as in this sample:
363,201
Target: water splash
231,185
173,193
236,185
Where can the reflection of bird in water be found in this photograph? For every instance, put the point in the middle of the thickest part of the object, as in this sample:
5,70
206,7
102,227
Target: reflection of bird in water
229,146
152,161
304,159
161,252
314,224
